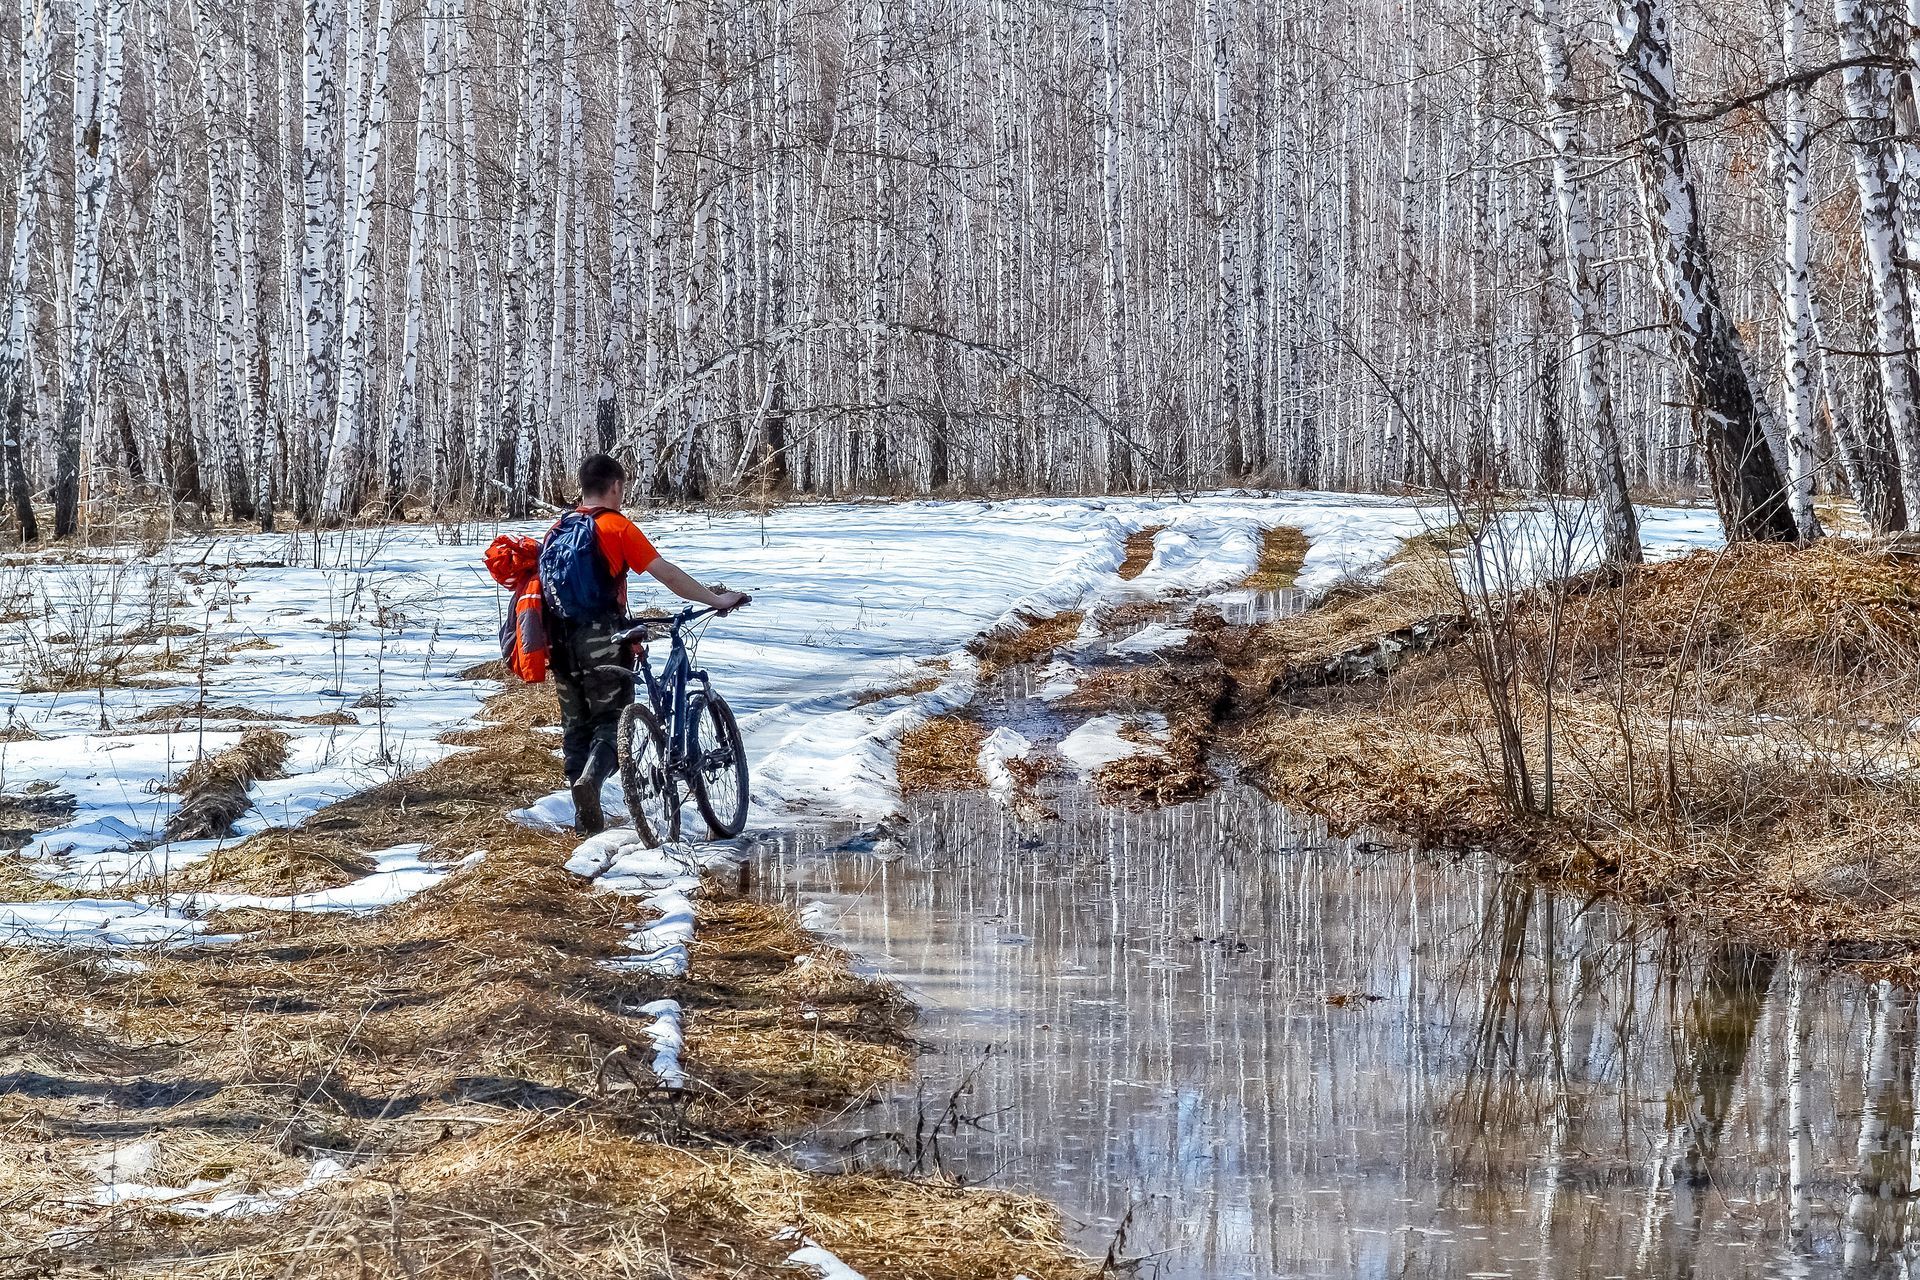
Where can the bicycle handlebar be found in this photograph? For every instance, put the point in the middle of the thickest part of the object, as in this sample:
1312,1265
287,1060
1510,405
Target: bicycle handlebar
636,627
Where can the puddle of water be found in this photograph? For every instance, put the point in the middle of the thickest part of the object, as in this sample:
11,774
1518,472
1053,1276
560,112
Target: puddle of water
1247,1050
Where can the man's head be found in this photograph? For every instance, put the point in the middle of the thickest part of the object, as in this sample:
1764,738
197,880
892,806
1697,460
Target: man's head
603,481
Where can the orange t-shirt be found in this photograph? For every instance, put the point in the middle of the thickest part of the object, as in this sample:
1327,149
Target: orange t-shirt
626,548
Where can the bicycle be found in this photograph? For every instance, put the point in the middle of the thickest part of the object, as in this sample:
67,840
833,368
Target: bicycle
678,733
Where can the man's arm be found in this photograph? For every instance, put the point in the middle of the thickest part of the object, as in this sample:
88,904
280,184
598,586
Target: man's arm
681,583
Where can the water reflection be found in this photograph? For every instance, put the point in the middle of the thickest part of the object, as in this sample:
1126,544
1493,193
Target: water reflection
1267,1052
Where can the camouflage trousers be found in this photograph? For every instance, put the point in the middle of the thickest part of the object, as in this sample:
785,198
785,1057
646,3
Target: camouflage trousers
591,700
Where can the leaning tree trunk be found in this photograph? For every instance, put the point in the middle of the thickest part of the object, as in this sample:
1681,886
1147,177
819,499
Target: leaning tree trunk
36,80
1729,409
1620,528
98,72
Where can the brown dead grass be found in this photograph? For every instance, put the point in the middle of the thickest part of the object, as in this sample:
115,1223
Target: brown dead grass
1283,550
214,788
906,689
1139,551
1730,737
942,754
487,1074
176,715
1028,639
535,1199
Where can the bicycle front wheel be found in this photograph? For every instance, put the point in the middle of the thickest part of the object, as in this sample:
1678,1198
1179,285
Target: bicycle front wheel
653,802
719,772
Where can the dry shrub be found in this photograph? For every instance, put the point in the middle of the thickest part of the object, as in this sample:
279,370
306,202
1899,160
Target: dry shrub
1139,552
942,754
1283,549
1029,638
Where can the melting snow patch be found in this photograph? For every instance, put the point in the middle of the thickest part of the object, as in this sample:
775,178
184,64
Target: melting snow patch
398,873
98,922
119,1170
1055,681
668,1041
1151,638
662,945
1098,741
821,1261
1001,746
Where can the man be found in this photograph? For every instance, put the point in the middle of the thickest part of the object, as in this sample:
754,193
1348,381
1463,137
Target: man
584,562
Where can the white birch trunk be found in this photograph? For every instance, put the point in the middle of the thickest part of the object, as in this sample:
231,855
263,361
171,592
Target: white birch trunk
1796,337
320,243
1862,29
344,456
36,80
99,69
426,160
1620,530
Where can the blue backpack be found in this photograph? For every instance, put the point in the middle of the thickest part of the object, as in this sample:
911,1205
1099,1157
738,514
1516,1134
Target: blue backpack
574,576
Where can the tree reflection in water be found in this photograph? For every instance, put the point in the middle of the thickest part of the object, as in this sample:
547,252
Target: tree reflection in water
1285,1054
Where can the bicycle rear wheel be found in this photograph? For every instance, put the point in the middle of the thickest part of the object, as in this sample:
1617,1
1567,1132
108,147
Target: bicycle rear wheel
719,772
653,802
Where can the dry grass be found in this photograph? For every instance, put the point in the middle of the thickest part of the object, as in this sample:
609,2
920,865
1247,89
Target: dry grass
176,715
1729,737
1139,552
534,1199
942,754
483,1070
1028,639
1283,550
214,788
906,689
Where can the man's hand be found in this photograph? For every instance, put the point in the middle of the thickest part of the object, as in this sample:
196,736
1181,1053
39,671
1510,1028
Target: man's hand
727,601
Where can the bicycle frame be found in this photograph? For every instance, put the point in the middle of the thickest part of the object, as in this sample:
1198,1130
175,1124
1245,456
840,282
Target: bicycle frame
668,692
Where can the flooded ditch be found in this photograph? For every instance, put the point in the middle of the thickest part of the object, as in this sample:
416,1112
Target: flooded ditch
1228,1045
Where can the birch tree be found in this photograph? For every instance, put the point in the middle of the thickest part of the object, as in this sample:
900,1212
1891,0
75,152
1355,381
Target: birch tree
1620,530
99,68
349,423
1864,26
35,81
1707,346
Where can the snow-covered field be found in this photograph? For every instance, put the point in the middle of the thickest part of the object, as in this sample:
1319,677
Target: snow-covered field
353,644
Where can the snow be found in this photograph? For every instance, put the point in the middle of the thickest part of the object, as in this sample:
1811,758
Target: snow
119,1169
1098,741
822,1262
398,873
377,624
1150,639
1001,746
97,923
668,1042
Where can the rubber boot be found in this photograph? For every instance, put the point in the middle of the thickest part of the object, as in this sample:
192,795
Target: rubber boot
588,818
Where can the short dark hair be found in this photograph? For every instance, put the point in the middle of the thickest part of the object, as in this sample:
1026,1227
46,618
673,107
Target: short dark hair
599,472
